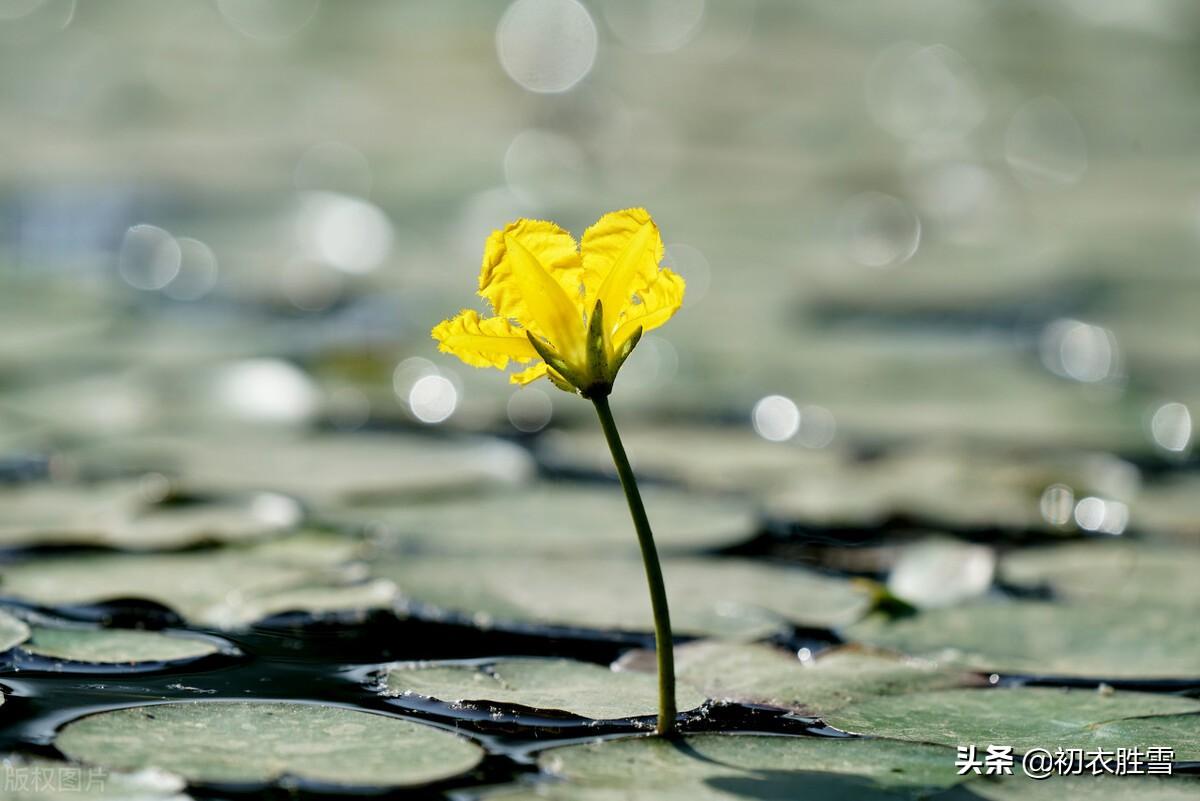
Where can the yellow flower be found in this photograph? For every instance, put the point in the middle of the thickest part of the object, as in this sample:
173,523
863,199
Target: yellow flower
578,311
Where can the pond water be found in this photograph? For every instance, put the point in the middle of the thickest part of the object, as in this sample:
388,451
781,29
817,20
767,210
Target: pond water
918,449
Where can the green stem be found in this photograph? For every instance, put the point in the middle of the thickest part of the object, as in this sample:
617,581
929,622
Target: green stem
663,642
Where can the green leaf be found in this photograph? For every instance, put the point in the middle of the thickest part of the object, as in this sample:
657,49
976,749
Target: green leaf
724,597
1029,717
580,688
13,632
226,587
761,674
216,741
716,766
124,514
1112,574
328,468
114,646
554,519
1096,640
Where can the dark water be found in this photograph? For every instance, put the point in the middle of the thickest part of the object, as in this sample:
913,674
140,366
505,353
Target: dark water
299,658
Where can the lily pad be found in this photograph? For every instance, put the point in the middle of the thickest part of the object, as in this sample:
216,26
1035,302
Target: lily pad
948,487
563,685
242,742
701,456
34,779
13,632
126,514
1030,717
1111,573
1090,640
224,587
555,518
328,468
725,597
114,646
762,674
719,766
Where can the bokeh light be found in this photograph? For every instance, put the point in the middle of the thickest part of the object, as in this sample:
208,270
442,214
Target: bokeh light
547,46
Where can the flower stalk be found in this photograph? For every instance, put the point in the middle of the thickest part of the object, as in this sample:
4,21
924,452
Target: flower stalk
663,641
576,312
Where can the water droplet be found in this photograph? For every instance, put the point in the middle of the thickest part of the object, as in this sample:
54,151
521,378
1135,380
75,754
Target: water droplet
547,46
879,230
775,418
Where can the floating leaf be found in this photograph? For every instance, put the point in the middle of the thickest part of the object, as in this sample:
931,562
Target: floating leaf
329,468
716,766
114,646
564,685
224,587
1111,574
13,632
555,518
702,456
720,597
125,514
762,674
1030,717
242,742
34,779
1092,640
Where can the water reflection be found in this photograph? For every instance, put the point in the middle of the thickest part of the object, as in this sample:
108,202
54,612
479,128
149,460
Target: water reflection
1101,516
1171,427
654,26
776,418
266,391
879,230
1080,351
150,257
547,46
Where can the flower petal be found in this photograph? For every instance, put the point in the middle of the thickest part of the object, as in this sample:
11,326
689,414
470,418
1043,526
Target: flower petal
552,247
529,375
490,342
658,304
620,255
546,308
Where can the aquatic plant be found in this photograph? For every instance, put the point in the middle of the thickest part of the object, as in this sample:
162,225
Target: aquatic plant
576,312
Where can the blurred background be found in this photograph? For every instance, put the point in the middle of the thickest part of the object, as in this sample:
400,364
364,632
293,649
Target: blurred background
954,235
